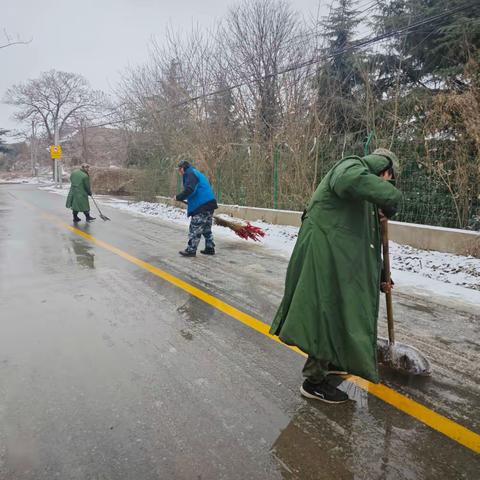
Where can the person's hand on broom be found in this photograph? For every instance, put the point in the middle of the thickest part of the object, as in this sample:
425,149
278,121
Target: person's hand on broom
386,213
387,287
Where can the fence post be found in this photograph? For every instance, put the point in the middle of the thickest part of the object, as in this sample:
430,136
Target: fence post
219,187
242,196
276,157
366,147
179,183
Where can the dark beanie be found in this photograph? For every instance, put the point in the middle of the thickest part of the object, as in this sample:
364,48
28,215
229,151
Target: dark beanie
183,164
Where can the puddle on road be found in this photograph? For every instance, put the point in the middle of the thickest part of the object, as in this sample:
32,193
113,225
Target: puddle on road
364,439
83,253
190,311
82,250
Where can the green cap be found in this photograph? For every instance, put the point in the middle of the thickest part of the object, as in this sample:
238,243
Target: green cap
391,156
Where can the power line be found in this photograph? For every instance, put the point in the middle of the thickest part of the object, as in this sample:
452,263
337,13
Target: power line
311,33
358,45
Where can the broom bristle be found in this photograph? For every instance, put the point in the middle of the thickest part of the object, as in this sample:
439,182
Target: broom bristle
243,231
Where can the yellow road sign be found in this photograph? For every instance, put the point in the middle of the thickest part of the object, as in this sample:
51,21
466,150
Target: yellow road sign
56,151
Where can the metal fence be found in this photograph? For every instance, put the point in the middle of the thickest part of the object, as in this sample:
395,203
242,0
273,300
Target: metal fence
279,179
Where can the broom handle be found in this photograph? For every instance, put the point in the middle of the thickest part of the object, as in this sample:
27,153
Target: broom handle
96,204
386,270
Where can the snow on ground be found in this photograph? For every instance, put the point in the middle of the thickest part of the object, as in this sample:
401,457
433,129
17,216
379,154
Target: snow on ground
149,209
445,267
442,273
27,180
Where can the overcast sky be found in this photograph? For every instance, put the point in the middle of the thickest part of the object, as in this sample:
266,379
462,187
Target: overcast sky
96,38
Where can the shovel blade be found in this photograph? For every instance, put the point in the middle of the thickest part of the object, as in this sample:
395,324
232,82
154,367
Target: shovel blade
402,358
104,217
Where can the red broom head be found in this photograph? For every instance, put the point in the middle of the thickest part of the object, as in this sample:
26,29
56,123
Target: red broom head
243,231
251,231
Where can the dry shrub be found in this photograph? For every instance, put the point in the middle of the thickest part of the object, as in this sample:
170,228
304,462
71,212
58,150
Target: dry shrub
452,143
115,181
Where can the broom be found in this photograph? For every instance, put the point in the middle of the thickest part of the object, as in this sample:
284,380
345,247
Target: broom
243,230
102,216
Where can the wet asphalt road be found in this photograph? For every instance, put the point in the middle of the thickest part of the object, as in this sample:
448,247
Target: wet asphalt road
108,372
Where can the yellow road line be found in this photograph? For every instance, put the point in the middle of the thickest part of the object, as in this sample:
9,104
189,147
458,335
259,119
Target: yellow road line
447,427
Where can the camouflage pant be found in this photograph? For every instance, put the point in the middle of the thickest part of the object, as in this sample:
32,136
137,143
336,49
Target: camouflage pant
200,224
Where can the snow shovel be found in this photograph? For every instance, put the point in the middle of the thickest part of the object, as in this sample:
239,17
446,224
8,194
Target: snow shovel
398,356
102,216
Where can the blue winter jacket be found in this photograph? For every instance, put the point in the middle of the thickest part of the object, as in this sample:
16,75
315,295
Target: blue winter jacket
197,192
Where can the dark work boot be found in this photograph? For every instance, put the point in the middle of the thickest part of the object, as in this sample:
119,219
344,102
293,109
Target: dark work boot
88,217
76,218
187,253
208,251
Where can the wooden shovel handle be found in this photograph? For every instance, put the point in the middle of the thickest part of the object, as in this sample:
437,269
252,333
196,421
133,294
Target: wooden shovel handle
386,273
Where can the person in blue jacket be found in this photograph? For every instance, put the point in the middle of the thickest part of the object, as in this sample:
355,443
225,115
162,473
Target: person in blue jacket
200,199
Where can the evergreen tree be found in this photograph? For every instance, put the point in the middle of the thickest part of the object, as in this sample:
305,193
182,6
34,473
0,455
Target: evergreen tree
438,50
221,108
339,79
3,146
339,31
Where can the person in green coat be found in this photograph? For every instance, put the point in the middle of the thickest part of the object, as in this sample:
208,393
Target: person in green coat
332,289
79,192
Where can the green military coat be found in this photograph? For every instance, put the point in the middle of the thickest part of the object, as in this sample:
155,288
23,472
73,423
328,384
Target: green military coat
330,305
77,198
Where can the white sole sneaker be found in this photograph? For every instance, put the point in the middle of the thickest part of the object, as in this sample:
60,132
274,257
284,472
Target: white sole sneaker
314,397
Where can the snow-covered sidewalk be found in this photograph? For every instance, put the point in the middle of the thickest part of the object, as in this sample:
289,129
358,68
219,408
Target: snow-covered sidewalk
444,274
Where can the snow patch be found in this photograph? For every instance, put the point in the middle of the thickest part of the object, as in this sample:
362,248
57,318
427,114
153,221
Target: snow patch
149,209
27,180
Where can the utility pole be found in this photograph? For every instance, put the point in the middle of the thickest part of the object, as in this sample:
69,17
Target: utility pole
83,129
56,155
32,149
55,143
58,175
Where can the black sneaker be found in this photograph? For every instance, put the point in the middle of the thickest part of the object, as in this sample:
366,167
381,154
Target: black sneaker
186,253
76,220
208,251
323,391
90,218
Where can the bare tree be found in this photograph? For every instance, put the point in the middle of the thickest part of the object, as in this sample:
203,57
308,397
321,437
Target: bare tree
10,41
187,98
258,39
57,98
